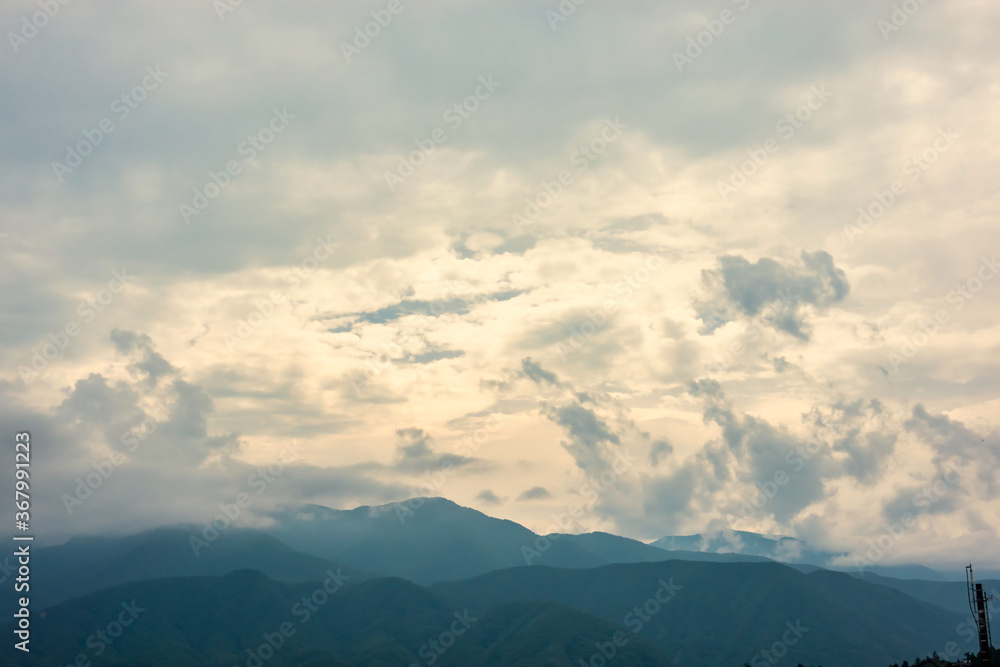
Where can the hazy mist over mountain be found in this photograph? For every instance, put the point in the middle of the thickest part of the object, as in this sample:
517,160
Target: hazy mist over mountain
520,309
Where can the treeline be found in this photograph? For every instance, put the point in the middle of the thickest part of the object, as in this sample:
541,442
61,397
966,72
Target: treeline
935,660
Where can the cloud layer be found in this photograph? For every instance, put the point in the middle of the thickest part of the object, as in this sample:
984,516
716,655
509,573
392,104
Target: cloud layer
549,302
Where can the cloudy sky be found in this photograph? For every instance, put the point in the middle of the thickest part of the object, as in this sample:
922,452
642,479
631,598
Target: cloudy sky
648,258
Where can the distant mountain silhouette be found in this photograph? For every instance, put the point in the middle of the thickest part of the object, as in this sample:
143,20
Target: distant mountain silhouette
86,564
783,549
726,612
950,595
577,593
224,621
439,540
614,549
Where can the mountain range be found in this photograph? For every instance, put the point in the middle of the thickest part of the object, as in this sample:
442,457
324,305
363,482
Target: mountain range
401,581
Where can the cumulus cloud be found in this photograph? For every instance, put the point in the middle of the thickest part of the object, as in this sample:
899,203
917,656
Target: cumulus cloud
589,436
863,431
843,470
534,372
150,363
430,356
660,451
434,309
487,496
535,493
415,454
771,290
963,472
122,455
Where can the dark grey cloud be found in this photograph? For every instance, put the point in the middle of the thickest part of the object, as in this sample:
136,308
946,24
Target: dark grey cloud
769,289
415,454
156,460
589,436
170,426
951,438
151,363
463,251
862,431
516,245
620,246
752,450
534,372
659,451
195,339
93,401
535,493
959,452
781,364
430,356
487,496
667,499
849,440
451,305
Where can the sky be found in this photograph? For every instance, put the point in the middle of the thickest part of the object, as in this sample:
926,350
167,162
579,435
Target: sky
679,267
